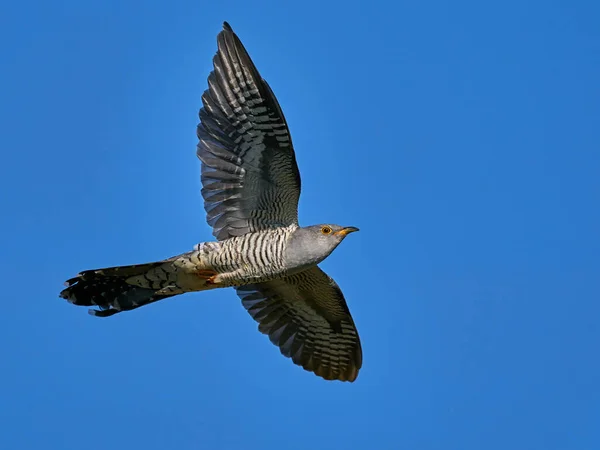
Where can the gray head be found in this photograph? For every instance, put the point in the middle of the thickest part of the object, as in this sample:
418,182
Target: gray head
311,245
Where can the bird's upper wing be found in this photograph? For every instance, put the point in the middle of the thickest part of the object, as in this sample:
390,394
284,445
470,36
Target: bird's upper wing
249,173
307,317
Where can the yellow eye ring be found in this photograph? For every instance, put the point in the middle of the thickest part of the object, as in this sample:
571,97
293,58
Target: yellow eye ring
326,230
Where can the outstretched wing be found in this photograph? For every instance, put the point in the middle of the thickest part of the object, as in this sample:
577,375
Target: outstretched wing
249,173
307,317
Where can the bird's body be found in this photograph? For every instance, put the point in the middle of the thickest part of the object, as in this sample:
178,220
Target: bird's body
251,186
251,258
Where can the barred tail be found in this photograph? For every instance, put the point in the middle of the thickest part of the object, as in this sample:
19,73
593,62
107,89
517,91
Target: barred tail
108,289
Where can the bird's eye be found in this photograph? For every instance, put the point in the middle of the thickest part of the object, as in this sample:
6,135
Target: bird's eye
326,230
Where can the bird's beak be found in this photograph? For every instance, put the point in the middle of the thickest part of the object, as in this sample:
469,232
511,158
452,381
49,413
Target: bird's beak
345,231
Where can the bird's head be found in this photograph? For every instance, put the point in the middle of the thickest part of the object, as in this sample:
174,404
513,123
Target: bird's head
311,245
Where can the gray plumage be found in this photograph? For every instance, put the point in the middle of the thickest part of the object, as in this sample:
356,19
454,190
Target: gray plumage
251,187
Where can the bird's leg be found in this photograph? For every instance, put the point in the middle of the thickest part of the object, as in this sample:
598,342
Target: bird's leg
208,275
221,279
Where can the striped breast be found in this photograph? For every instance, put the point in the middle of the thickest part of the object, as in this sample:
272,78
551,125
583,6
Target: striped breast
254,257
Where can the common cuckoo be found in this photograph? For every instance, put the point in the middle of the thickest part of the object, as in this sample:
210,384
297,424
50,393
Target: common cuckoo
251,187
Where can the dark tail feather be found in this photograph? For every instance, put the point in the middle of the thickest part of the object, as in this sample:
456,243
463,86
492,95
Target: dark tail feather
107,289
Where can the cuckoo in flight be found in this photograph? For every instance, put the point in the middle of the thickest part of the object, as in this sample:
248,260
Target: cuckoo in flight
251,187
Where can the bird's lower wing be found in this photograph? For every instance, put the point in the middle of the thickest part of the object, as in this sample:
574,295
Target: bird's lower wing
307,317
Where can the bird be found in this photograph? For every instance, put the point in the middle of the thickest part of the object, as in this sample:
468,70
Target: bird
250,189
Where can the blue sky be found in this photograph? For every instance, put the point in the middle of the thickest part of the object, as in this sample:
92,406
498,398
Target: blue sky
461,137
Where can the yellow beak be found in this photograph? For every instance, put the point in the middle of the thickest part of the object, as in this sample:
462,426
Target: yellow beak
345,231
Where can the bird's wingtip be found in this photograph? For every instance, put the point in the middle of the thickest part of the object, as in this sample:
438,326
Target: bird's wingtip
227,27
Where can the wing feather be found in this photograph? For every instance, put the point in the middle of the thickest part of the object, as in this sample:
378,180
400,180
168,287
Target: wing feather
306,316
249,173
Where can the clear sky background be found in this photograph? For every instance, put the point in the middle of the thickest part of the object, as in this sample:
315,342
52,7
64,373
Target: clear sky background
461,137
